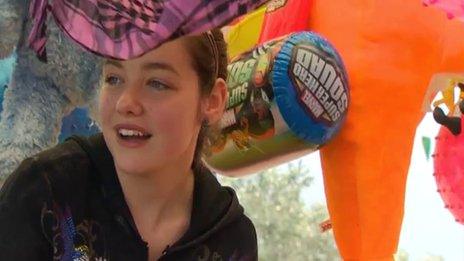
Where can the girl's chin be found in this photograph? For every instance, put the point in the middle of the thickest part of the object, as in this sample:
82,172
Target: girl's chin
135,165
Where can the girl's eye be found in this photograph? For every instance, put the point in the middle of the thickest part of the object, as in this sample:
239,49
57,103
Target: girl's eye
113,80
158,85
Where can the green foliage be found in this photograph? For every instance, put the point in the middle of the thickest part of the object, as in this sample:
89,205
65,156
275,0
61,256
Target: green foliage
286,228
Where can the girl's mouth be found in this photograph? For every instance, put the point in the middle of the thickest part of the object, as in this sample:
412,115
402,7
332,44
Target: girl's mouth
131,135
127,134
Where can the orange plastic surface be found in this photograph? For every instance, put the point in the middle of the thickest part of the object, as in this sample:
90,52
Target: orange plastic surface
391,49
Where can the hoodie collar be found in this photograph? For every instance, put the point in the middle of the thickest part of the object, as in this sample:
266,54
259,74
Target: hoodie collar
213,206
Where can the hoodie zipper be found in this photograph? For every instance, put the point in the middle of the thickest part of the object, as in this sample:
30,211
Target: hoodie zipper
165,252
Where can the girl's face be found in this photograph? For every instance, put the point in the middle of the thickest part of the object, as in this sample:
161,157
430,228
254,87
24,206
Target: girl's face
150,109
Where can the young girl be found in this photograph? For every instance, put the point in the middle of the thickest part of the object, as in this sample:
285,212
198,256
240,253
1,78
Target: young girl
138,190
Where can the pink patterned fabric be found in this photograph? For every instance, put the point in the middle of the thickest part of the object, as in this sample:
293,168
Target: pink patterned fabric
453,8
124,29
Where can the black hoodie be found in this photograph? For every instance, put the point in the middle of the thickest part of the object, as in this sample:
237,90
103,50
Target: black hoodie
66,203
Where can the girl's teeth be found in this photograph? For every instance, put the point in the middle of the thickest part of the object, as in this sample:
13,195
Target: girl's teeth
130,133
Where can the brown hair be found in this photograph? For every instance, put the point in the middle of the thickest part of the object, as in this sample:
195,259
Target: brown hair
209,60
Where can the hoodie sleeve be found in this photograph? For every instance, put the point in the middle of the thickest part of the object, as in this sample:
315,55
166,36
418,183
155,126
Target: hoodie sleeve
21,198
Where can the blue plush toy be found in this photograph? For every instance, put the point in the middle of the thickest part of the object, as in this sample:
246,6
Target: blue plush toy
6,66
39,94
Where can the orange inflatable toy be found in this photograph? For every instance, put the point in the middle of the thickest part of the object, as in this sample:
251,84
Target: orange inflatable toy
391,49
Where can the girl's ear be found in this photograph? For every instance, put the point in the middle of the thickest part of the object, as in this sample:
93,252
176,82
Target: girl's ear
215,103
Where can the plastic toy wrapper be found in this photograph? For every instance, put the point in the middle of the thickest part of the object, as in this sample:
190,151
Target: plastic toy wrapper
287,97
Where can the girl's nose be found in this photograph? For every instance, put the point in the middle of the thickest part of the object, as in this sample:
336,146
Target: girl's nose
129,102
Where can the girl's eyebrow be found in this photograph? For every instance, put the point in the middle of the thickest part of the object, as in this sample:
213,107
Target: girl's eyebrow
147,66
114,63
159,66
